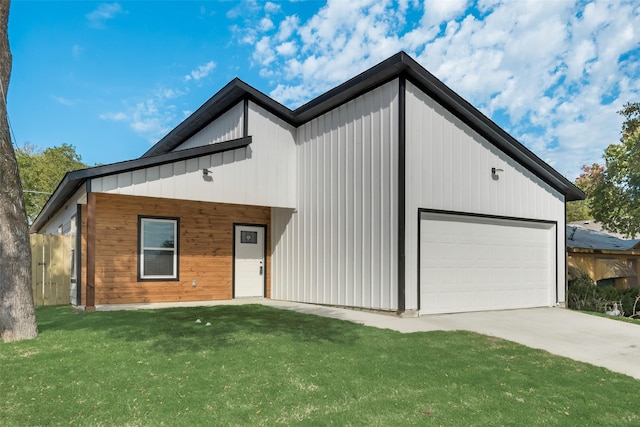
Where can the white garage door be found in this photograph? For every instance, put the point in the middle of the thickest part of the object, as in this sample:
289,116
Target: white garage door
476,263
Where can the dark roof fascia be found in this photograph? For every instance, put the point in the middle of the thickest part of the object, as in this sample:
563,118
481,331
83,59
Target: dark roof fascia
227,97
402,64
73,180
474,118
366,81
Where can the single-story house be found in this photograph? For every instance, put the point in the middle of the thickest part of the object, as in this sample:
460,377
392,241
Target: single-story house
609,260
389,192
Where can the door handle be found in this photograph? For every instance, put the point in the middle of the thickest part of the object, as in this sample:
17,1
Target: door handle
260,268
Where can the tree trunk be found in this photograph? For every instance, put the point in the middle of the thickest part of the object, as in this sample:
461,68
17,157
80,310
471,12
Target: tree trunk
17,312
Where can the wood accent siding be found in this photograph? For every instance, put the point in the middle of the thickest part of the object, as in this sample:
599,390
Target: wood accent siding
205,249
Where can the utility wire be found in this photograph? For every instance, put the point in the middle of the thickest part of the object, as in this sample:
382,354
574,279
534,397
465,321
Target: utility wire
4,99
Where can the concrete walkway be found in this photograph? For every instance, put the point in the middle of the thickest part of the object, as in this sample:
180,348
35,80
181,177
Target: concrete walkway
598,341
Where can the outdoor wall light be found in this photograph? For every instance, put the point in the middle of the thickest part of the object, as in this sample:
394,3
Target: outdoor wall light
207,175
494,173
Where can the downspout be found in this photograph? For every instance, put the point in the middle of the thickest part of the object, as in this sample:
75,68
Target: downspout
402,87
43,267
91,255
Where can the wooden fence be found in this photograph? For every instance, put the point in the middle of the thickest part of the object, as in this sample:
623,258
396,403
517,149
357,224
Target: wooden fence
50,268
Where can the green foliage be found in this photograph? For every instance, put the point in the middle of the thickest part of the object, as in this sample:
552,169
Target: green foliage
615,197
579,209
260,366
42,170
586,296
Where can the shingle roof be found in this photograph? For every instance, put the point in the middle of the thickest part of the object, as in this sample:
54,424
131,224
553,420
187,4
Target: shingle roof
578,237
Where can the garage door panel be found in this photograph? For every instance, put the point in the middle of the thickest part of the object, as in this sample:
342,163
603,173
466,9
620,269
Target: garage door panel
473,263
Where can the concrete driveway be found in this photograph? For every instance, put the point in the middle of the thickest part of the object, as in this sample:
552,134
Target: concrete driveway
599,341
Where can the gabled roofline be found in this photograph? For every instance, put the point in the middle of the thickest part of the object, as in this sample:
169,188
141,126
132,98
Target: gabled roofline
400,64
397,66
234,92
73,180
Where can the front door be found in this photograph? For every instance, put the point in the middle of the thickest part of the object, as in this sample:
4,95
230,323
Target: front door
249,261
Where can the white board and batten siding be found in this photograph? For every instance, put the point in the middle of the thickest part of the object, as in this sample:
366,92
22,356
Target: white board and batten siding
64,215
448,168
225,128
261,174
340,246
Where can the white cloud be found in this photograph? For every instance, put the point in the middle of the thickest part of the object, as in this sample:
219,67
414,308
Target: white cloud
103,13
262,51
439,11
286,49
287,27
152,117
63,101
271,7
552,73
201,72
266,24
116,117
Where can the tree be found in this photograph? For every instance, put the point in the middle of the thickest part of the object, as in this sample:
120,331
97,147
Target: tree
579,209
42,170
615,199
17,312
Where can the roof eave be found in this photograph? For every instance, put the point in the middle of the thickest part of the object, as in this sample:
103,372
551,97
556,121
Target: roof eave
232,93
401,64
72,181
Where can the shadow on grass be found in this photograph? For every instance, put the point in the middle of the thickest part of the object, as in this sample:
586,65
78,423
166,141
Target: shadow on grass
175,330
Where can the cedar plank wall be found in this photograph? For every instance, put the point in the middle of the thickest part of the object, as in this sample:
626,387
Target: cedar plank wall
205,248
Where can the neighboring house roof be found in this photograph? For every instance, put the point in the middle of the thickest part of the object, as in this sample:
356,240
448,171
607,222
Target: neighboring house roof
73,180
593,225
399,65
578,237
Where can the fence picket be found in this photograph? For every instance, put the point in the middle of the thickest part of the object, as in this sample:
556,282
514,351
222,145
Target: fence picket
50,268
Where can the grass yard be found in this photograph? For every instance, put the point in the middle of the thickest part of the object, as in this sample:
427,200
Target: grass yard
262,366
634,320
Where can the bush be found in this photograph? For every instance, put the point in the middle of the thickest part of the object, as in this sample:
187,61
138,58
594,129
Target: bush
585,295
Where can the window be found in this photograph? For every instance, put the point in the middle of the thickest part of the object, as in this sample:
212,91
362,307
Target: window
249,237
158,254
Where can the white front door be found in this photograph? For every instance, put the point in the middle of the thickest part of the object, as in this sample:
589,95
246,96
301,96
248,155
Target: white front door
249,261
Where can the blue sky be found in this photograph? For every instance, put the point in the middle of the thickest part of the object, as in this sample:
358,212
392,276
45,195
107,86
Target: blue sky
112,78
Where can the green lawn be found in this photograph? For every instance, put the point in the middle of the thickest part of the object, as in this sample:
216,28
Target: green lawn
262,366
617,318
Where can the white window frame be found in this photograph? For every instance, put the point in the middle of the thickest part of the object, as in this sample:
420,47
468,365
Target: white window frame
157,277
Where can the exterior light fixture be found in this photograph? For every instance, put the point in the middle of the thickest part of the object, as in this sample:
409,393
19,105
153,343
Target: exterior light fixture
494,173
207,175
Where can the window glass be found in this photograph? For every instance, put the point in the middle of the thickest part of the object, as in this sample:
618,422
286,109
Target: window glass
158,258
159,234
